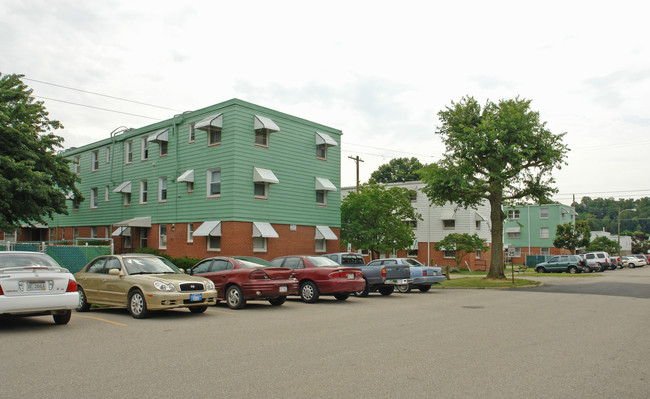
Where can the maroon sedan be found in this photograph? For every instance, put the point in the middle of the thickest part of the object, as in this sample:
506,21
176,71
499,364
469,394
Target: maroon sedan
322,276
241,278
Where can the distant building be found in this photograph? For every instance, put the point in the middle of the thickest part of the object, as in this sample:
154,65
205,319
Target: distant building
626,241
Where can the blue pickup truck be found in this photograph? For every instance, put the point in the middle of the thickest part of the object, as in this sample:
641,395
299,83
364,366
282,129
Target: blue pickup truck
423,276
378,277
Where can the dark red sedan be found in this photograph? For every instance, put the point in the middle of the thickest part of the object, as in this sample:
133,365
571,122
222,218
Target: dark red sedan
318,275
242,278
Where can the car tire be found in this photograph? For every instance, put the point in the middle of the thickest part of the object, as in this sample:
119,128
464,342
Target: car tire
137,305
341,297
630,265
234,298
309,292
587,269
365,291
278,301
599,267
572,270
385,291
404,288
62,318
424,288
540,270
83,306
198,309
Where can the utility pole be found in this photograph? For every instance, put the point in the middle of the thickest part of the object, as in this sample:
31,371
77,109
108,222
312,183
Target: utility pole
357,160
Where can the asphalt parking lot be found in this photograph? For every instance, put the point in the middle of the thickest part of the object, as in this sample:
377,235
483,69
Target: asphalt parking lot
574,337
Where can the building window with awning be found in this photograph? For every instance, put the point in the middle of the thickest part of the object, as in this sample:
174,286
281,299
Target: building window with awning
322,142
263,128
262,231
323,186
513,233
261,180
211,125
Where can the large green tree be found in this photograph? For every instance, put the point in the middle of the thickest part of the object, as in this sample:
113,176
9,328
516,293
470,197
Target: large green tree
397,170
571,236
374,219
34,180
640,243
499,153
603,243
462,244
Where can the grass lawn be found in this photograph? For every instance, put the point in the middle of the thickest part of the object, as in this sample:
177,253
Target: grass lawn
471,282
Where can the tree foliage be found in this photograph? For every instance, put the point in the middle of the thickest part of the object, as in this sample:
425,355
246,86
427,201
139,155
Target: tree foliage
375,218
640,243
462,244
603,243
603,213
34,180
571,236
497,153
397,170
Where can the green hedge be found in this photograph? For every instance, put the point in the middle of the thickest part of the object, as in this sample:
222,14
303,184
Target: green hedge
184,263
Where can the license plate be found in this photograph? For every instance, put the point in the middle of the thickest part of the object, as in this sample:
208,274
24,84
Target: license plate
36,286
196,297
350,276
283,288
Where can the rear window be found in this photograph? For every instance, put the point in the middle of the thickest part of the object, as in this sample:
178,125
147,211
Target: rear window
322,261
352,259
22,260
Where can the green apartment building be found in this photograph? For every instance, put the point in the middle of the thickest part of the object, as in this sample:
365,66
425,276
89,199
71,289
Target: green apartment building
530,229
234,178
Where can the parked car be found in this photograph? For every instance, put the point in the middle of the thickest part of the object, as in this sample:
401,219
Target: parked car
615,261
242,278
422,277
382,279
597,261
142,283
636,260
318,276
34,284
562,264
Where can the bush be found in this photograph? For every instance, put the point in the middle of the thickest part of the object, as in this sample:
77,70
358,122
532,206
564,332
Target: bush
185,262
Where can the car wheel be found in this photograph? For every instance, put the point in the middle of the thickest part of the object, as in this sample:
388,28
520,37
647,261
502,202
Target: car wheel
62,318
365,291
309,292
587,269
341,297
385,291
198,309
138,305
424,288
404,288
573,270
599,267
277,301
540,270
630,265
234,298
83,306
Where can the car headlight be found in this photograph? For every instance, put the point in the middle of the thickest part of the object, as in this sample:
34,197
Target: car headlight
164,286
209,285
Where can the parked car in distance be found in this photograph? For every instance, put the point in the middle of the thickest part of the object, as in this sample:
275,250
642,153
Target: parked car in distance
318,275
597,261
34,284
377,277
615,261
142,283
562,264
636,260
242,278
422,277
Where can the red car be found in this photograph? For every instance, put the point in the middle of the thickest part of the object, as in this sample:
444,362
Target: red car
241,278
318,275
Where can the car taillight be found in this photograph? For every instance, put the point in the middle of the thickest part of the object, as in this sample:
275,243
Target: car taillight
258,275
1,292
72,286
383,272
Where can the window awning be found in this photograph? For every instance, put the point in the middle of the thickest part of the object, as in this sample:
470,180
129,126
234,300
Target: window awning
263,229
209,228
212,122
261,175
262,122
123,188
324,232
448,214
414,246
33,226
513,229
136,222
479,217
187,176
569,211
122,231
160,135
324,184
322,138
69,195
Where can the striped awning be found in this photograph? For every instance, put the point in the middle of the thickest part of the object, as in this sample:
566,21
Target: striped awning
212,122
209,228
262,122
324,232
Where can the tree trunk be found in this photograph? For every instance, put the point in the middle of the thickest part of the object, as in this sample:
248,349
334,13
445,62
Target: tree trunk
496,230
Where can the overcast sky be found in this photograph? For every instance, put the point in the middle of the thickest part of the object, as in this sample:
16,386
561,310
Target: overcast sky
378,70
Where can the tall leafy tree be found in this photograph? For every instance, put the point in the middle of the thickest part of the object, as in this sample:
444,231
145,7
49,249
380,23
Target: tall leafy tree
497,153
571,236
640,243
34,180
375,218
397,170
603,243
462,244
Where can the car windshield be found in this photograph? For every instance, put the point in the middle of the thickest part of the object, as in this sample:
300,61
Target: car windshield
413,262
253,262
25,260
322,261
149,265
352,260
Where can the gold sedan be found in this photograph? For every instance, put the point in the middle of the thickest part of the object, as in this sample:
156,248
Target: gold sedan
142,283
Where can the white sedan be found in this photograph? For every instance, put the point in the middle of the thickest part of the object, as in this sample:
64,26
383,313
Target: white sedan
33,284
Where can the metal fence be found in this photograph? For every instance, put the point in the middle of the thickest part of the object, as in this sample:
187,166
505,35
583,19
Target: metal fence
67,254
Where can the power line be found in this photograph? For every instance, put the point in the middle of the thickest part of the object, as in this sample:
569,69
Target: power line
102,109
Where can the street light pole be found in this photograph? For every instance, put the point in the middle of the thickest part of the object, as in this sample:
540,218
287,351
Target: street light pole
618,236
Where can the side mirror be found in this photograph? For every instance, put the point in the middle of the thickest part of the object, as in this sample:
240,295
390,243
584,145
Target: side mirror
114,272
188,271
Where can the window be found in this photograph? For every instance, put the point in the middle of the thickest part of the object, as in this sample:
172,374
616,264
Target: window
449,254
75,204
261,190
162,148
126,241
262,137
143,191
543,213
259,244
106,232
214,137
321,245
517,252
413,196
214,183
543,232
478,254
192,134
190,187
411,223
448,224
75,233
93,231
106,191
321,197
162,234
190,232
513,214
144,149
162,189
478,225
128,152
545,251
108,154
94,160
321,151
412,253
513,236
77,165
214,243
143,237
127,199
93,197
